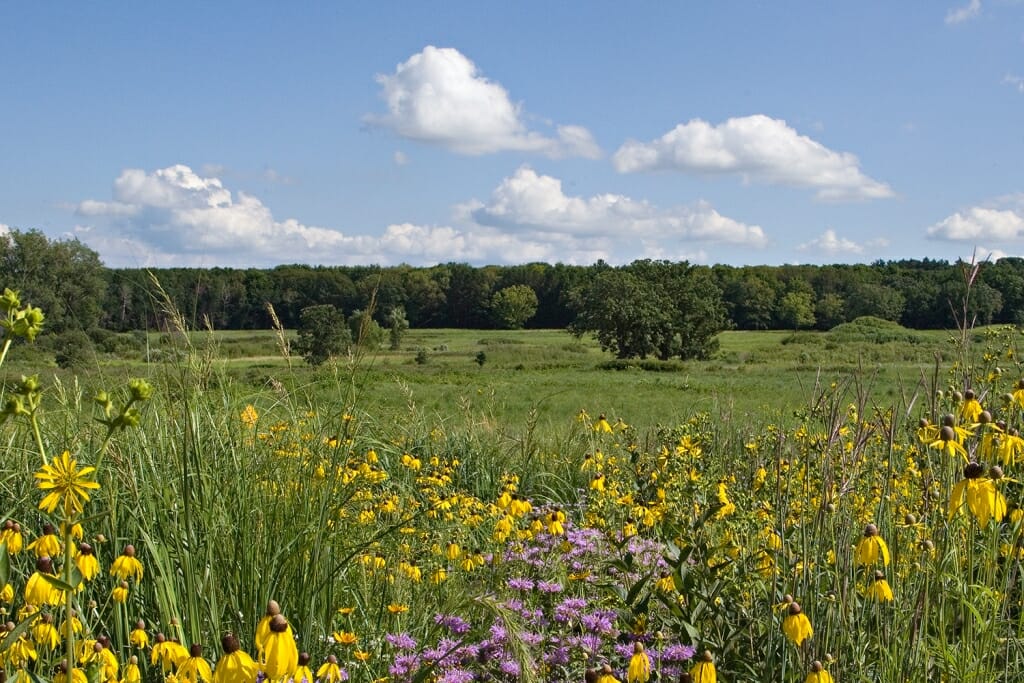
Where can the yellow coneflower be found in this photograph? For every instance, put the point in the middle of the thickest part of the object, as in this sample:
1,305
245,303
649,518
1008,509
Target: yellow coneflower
971,408
127,565
639,665
48,544
704,670
138,636
796,625
329,671
86,562
235,665
281,656
10,536
131,673
879,590
871,548
120,592
818,674
44,633
169,653
263,627
980,494
38,590
7,593
195,669
602,426
67,485
606,675
109,665
76,675
302,673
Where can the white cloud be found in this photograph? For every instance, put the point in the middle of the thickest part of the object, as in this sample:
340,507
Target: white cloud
400,158
961,14
438,96
175,217
1016,81
990,223
536,206
757,147
833,245
986,254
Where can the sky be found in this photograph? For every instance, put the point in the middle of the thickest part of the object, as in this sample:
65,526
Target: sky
254,134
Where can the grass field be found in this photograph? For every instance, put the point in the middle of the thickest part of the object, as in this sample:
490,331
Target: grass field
420,516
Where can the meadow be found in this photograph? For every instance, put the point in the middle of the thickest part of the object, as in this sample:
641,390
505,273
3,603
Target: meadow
484,505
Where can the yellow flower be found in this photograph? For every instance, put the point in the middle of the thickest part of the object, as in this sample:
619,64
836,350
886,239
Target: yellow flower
704,670
281,656
47,544
131,673
10,535
86,562
169,653
250,416
263,627
361,655
818,674
68,486
77,676
971,408
396,608
195,669
44,633
602,425
120,592
879,590
235,666
871,548
38,590
983,499
138,637
329,671
639,665
345,638
7,593
127,565
796,625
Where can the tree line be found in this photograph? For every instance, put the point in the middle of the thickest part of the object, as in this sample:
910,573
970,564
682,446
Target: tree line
657,308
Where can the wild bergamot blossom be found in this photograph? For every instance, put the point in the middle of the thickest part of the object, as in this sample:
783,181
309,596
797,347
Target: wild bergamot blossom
67,484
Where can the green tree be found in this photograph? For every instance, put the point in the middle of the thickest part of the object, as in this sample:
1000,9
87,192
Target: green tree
512,306
830,311
624,313
323,334
398,325
796,310
365,331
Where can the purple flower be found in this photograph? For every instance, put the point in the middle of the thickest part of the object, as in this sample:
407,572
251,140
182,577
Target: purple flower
557,657
520,584
677,653
456,625
455,676
549,587
510,667
405,665
402,641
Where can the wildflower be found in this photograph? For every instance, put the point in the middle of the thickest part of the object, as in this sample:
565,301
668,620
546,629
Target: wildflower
879,590
127,565
302,673
195,668
76,676
639,665
169,653
47,544
727,506
871,547
235,666
44,633
818,674
280,656
397,608
971,408
7,593
10,536
949,438
704,670
345,638
983,499
329,671
120,592
132,674
263,627
796,625
107,660
361,655
249,416
66,483
138,637
602,426
86,562
39,591
607,676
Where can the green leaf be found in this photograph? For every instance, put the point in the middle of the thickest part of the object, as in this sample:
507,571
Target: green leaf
76,578
5,564
634,591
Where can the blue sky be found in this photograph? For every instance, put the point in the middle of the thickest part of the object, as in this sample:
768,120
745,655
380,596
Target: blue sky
255,134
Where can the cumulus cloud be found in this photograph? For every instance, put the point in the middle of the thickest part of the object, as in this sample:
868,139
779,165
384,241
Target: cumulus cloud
832,244
758,148
958,15
535,206
176,217
1000,221
438,96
